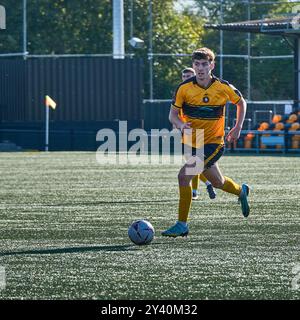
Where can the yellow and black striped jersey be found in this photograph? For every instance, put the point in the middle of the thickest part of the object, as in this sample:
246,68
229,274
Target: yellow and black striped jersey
204,108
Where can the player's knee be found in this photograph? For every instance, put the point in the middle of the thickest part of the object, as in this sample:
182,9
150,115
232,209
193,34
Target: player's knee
218,183
183,179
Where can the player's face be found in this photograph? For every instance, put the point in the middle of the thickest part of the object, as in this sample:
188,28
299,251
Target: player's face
187,75
203,69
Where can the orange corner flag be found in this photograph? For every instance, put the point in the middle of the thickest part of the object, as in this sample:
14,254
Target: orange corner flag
50,103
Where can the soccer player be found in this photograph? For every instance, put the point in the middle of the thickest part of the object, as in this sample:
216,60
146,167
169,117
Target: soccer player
202,100
185,75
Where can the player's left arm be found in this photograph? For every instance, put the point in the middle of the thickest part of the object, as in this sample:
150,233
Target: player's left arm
235,132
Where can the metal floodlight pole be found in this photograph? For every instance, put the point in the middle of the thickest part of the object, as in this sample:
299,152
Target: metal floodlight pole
296,72
221,40
24,28
249,53
131,19
222,55
118,29
150,51
131,26
2,18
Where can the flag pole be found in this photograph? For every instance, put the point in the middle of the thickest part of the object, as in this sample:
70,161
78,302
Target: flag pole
47,129
48,103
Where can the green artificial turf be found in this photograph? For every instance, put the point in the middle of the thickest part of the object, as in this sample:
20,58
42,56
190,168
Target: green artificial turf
64,221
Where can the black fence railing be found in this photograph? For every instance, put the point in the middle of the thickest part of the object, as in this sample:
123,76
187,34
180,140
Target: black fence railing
251,141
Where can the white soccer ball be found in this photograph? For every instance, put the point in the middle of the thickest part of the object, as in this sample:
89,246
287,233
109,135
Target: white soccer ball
141,232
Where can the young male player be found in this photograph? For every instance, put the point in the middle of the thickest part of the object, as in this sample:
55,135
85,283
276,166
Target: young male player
185,75
202,100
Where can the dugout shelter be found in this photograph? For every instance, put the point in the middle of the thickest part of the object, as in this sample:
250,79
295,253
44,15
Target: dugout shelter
286,26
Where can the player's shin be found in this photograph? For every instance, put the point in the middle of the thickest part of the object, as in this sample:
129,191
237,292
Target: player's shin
195,182
231,187
185,200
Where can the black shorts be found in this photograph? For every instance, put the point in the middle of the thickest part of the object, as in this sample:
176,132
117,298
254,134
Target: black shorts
212,153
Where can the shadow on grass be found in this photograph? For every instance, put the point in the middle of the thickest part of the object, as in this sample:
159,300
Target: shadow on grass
70,250
112,202
82,249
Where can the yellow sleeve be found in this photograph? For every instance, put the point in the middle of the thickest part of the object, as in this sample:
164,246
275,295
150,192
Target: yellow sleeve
178,98
234,94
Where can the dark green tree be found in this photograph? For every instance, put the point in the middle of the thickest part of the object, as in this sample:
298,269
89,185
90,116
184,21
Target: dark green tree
73,26
173,33
235,69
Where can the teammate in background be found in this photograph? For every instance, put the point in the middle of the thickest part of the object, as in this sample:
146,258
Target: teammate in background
186,74
202,99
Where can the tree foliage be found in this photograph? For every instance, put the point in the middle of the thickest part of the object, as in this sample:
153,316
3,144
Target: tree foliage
60,26
65,26
85,26
270,79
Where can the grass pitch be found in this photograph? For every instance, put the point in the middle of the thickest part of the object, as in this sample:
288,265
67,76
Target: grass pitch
64,221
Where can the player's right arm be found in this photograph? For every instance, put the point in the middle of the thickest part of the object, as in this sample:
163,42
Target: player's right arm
176,121
176,106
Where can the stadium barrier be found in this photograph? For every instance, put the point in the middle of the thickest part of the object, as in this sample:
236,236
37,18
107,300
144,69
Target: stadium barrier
267,141
85,140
